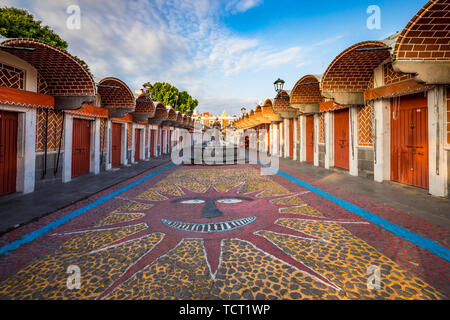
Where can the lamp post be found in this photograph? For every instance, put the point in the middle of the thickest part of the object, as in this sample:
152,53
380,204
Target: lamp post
278,84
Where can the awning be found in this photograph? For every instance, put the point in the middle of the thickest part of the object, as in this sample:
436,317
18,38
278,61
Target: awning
24,98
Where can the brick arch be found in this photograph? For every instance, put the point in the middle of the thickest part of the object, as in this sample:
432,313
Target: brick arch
63,75
282,106
268,103
145,108
144,104
307,90
427,36
171,114
180,118
352,70
117,95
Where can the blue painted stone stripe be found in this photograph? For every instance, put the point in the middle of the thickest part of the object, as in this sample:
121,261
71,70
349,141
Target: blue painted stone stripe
30,237
406,234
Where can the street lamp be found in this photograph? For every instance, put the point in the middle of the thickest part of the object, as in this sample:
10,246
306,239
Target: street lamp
243,110
278,84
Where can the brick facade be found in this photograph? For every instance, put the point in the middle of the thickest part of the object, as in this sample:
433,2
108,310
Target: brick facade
365,126
55,119
64,75
352,70
427,35
306,90
116,95
322,128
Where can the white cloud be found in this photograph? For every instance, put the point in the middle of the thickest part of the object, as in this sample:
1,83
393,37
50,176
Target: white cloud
179,41
239,6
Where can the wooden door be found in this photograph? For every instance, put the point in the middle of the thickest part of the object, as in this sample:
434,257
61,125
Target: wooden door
8,152
81,147
341,139
116,144
137,144
310,139
291,138
152,143
409,141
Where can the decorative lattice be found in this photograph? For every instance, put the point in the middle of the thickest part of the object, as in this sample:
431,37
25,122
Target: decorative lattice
53,131
322,128
42,85
129,136
365,126
102,135
12,77
391,77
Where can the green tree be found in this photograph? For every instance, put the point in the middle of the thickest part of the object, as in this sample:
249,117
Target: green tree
19,23
171,96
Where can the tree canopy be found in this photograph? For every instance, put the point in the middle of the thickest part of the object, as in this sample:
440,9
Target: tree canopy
19,23
170,95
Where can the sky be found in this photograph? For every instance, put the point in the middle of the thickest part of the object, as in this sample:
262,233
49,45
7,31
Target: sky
226,54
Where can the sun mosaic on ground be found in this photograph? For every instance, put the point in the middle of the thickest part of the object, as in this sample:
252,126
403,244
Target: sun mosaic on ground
214,234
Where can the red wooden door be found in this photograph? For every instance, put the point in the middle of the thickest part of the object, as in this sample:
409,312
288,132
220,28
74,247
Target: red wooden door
116,144
341,139
409,141
8,152
81,147
291,138
152,143
137,144
310,139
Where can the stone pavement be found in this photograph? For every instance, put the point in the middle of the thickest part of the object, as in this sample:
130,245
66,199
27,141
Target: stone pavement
17,210
198,232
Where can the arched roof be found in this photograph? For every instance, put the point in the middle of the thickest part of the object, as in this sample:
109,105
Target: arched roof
352,69
160,110
179,117
282,106
427,35
306,90
144,104
115,94
171,114
422,47
62,72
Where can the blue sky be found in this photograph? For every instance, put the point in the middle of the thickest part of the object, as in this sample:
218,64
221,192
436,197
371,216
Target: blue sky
225,53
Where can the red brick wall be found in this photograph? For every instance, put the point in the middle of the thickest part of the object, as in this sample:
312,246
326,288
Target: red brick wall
309,93
427,35
352,70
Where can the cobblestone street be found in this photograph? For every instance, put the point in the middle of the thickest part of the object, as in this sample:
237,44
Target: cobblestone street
198,232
